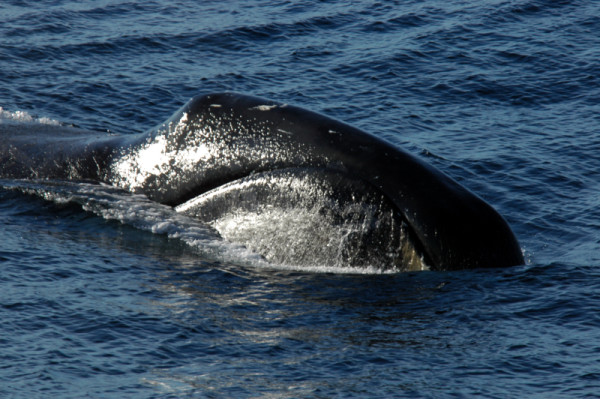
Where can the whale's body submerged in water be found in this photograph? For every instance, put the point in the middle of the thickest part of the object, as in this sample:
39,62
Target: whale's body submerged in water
292,185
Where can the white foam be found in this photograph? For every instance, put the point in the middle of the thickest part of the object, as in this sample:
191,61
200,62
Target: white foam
25,117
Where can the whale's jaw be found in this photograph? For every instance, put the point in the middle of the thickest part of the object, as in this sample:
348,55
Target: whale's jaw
311,216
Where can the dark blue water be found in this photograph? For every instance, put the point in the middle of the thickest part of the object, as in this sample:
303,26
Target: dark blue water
504,96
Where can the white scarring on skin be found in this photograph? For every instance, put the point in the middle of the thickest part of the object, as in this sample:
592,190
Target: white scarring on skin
265,107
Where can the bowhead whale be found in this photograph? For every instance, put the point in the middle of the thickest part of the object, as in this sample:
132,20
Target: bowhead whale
233,160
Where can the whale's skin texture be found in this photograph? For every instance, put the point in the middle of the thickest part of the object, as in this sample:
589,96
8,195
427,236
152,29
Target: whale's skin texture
217,139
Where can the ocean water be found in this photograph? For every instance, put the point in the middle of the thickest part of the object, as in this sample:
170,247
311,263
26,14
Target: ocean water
106,295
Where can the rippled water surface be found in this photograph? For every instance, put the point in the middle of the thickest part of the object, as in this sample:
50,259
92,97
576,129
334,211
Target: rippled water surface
108,295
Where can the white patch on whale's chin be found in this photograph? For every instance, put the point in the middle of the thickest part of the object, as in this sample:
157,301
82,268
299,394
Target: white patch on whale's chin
310,219
302,238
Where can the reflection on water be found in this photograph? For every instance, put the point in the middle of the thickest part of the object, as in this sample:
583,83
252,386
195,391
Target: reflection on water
291,330
146,309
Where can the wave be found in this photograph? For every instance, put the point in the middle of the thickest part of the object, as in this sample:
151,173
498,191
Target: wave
25,117
137,210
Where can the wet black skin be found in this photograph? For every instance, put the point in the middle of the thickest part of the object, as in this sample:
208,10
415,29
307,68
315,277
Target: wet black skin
244,135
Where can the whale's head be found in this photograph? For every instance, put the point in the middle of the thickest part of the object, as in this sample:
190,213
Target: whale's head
300,188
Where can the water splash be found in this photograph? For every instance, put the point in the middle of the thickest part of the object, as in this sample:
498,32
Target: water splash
25,117
137,210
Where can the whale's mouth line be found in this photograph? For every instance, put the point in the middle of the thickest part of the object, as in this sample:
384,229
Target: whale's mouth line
286,213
